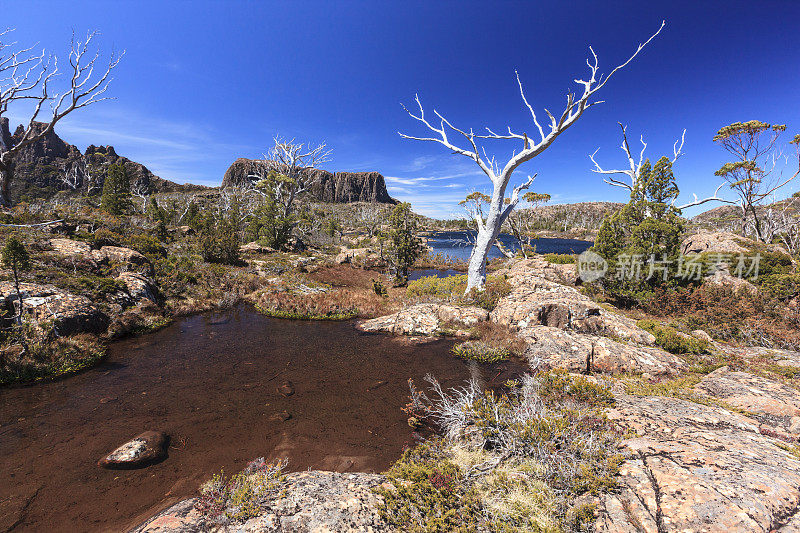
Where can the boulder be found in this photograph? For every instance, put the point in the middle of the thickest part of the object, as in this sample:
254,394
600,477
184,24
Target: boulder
701,335
143,450
537,301
255,248
575,352
721,278
70,248
773,403
426,319
314,500
139,287
70,314
715,242
520,271
694,467
130,259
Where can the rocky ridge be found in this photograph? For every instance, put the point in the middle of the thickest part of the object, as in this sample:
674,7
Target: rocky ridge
338,187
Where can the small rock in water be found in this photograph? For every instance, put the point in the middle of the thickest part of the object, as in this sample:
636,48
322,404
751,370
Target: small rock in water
283,416
143,450
286,388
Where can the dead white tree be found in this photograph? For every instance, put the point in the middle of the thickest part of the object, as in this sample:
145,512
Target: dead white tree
489,226
29,77
632,173
291,164
80,173
141,190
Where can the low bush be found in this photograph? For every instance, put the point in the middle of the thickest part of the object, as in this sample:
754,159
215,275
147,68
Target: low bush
48,358
673,342
516,461
452,288
561,259
225,501
146,244
480,351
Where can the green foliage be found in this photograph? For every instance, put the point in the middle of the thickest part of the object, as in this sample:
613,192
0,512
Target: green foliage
378,288
495,288
429,493
116,196
434,286
219,238
561,259
106,237
746,129
15,256
273,219
669,339
146,244
780,286
404,244
236,499
648,229
48,359
482,352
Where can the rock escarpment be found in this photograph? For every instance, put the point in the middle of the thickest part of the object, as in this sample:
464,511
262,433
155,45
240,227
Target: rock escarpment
338,187
39,166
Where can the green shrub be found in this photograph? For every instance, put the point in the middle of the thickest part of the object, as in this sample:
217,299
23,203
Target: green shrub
495,288
780,286
480,351
669,339
106,237
429,494
561,259
445,288
234,500
147,245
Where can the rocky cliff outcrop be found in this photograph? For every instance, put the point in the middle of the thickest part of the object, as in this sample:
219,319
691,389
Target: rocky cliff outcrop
39,166
339,187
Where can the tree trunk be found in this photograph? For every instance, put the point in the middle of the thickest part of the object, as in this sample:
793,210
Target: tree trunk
6,175
476,271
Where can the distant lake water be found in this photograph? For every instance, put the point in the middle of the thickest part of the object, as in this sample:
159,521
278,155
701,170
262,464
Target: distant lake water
458,245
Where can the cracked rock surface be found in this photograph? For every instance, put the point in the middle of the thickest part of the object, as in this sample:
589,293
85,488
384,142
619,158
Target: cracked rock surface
698,468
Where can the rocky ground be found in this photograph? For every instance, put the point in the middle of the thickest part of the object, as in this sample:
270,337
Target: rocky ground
703,452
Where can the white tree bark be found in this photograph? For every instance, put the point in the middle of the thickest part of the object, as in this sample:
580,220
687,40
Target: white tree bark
499,207
28,77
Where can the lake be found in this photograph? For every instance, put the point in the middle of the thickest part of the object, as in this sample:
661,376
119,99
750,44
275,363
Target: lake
211,382
458,245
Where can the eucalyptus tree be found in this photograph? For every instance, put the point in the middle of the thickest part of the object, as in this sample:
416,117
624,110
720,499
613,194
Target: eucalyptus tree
29,78
500,205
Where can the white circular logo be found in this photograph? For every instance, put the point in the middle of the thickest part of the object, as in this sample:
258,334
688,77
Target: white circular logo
591,266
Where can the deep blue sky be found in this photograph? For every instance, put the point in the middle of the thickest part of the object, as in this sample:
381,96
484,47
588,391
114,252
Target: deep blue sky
205,82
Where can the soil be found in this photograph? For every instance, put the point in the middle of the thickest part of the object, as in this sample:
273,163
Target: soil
213,382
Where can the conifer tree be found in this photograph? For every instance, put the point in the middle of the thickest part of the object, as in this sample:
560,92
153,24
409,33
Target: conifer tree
641,242
404,244
116,197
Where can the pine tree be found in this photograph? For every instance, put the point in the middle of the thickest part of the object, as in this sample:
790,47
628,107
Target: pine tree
116,197
646,231
15,257
404,244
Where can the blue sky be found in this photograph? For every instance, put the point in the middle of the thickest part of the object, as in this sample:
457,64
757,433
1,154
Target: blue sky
205,82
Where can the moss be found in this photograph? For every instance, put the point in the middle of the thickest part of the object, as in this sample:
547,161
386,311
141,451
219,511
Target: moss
480,351
307,315
669,339
561,259
790,372
54,359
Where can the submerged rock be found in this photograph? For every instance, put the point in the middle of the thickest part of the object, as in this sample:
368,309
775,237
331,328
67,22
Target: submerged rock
145,449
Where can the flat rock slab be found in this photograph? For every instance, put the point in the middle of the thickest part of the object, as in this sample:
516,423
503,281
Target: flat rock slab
426,319
143,450
773,402
698,468
577,352
315,501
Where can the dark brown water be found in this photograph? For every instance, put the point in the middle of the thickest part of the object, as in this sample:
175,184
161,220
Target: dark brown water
210,381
